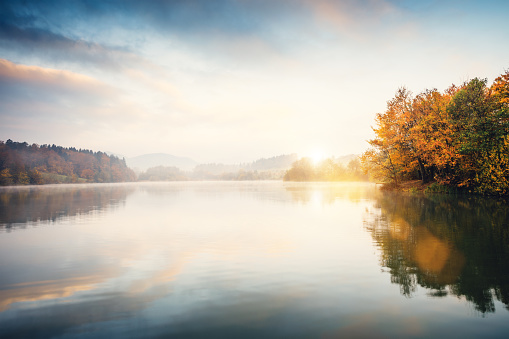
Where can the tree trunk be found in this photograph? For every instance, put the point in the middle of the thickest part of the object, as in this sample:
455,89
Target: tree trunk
422,169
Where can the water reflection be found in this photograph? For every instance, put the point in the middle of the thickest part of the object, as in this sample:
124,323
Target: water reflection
22,206
454,245
227,256
235,260
323,193
327,193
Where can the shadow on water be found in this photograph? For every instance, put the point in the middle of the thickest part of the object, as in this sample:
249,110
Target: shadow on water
23,206
450,245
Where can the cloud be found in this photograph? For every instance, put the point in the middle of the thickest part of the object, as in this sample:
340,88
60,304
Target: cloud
171,74
235,17
47,105
25,80
61,48
353,19
35,100
234,31
84,28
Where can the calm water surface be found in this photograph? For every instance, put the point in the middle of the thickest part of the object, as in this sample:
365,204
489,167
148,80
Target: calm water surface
250,259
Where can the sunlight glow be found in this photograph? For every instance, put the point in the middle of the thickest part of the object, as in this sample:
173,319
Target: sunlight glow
317,156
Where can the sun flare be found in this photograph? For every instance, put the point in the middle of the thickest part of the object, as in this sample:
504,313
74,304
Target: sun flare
317,156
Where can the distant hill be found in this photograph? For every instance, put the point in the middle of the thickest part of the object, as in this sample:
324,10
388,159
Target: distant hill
345,159
146,161
277,163
281,162
262,169
165,167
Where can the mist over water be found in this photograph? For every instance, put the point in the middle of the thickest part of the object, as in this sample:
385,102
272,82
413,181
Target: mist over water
250,259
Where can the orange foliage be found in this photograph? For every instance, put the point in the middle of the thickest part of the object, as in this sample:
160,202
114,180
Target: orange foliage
21,164
458,138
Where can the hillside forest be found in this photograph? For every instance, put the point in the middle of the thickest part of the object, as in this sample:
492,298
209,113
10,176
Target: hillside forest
458,139
24,164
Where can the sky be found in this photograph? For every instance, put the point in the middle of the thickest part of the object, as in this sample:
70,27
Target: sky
231,80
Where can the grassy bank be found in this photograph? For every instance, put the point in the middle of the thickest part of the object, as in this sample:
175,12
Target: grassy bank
416,186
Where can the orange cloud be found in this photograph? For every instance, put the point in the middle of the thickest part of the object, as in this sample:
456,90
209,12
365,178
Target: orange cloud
48,77
350,17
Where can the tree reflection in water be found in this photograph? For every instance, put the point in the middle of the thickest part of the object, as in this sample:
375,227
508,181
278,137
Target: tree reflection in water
22,206
450,245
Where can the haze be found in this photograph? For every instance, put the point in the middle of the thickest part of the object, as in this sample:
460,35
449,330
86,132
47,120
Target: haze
231,81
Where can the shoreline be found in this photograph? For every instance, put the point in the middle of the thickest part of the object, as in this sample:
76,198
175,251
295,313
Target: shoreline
411,186
432,187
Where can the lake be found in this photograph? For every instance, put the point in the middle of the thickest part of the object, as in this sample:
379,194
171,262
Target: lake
250,259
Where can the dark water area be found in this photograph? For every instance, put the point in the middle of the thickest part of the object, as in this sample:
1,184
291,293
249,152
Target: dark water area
250,259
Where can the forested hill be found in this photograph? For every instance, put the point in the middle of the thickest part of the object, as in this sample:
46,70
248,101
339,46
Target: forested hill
24,164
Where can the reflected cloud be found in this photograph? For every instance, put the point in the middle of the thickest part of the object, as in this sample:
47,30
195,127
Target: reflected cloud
44,290
224,256
126,261
55,319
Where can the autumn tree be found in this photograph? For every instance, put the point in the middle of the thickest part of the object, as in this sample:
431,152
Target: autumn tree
493,170
459,138
392,153
432,133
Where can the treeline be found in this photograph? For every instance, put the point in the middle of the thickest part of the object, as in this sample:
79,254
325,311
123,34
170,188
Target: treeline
273,163
24,164
163,173
262,169
326,170
203,172
458,138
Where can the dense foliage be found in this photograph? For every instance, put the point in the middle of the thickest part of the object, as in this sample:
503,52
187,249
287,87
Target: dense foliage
326,170
23,164
460,138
